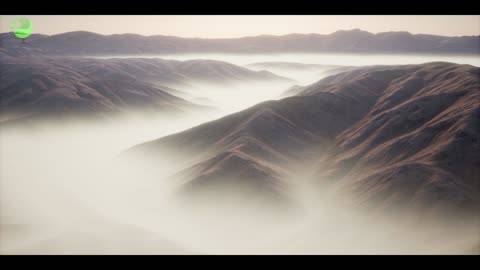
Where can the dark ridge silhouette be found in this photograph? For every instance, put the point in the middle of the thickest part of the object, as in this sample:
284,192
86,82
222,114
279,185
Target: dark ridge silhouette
352,41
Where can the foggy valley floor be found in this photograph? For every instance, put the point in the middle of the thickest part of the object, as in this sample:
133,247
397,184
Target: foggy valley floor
69,188
72,198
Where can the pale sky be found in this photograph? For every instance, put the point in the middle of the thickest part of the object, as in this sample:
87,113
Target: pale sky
229,26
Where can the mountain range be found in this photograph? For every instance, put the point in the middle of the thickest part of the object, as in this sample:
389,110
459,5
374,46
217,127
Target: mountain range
46,86
394,135
343,41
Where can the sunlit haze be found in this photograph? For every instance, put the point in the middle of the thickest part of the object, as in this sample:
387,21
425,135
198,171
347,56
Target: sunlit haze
345,144
217,26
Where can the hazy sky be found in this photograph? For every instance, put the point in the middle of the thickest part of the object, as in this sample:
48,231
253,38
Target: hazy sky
220,26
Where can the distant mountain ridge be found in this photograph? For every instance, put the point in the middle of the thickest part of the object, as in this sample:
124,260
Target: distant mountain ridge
343,41
85,86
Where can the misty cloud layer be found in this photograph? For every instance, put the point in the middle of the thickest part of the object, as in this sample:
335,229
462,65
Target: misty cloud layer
66,188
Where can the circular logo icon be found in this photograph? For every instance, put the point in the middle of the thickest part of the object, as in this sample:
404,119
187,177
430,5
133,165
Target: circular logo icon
22,28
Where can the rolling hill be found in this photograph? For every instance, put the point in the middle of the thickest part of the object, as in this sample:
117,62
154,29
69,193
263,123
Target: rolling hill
395,135
50,86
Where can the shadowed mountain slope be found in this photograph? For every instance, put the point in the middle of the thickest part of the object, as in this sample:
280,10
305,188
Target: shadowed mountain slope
48,86
420,142
394,133
44,86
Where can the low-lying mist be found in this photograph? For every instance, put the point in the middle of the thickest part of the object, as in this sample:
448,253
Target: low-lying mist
338,59
232,97
65,188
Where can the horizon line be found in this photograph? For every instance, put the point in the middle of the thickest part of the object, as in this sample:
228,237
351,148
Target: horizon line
252,36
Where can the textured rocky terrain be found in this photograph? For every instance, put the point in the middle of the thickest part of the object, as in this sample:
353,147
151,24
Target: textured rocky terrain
47,86
394,135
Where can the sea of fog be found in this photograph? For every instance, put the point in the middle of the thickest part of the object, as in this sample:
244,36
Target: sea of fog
319,58
64,190
326,59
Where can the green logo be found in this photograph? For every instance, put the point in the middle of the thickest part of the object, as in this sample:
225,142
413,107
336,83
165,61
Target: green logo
22,28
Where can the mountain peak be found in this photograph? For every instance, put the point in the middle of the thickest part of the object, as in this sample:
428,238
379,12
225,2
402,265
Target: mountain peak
352,31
